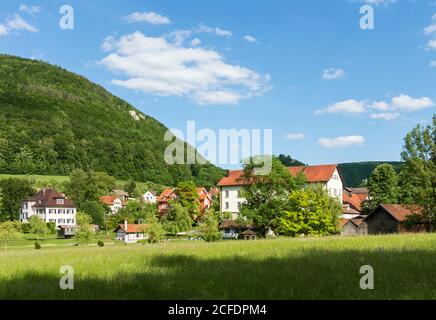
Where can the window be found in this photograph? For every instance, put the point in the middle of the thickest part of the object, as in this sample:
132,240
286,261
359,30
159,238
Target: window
335,192
61,220
60,201
25,205
52,220
52,211
227,205
61,211
239,205
227,193
40,211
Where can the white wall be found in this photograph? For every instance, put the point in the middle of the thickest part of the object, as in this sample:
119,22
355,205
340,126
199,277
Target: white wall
229,194
334,186
60,216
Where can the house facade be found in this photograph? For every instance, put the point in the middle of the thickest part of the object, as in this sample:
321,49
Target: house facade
130,233
170,194
50,206
113,202
150,197
231,185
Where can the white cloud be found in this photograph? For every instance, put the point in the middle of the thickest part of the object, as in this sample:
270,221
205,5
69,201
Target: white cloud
406,103
18,23
295,136
433,63
380,106
251,39
161,67
196,42
385,115
431,44
3,30
341,142
348,106
223,33
430,29
30,9
333,74
149,17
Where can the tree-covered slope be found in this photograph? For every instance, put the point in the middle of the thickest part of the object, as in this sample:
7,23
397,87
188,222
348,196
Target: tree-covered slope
53,121
353,174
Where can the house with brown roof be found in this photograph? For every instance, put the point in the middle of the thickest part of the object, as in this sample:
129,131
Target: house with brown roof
130,233
170,194
232,229
352,199
325,175
114,203
50,206
394,218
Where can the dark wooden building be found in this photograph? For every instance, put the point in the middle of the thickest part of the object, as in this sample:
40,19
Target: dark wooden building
393,218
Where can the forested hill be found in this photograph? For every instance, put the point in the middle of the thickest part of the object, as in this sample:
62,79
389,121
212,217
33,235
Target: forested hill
53,121
354,173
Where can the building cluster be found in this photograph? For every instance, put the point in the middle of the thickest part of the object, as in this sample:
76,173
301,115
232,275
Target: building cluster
54,207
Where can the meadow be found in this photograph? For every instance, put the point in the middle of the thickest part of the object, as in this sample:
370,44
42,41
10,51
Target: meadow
304,268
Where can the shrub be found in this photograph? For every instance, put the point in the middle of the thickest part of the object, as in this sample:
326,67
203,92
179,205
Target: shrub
25,227
100,243
37,246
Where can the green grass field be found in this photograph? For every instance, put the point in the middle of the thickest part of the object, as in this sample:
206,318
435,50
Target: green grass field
326,268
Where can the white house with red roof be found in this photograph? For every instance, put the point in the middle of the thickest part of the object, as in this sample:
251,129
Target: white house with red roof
50,206
115,203
130,233
325,175
170,194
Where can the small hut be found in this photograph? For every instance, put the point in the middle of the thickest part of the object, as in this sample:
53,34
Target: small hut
249,234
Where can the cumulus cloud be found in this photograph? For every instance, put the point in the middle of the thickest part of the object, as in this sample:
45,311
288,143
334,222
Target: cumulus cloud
223,33
149,17
431,44
163,67
196,42
406,103
18,23
344,107
341,142
249,38
333,74
295,136
385,115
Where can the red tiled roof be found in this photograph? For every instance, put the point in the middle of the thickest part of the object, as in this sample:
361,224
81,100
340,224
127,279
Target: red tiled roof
314,174
400,212
46,198
108,200
343,222
349,211
353,200
164,195
131,228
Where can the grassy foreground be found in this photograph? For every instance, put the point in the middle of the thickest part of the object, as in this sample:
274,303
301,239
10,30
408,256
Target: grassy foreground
326,268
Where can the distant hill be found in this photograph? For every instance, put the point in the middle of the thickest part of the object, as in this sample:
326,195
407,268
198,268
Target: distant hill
353,174
53,121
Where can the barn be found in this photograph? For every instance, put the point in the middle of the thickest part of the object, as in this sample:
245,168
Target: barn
353,227
393,218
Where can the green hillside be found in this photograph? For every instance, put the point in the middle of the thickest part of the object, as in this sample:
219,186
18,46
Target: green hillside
354,173
53,121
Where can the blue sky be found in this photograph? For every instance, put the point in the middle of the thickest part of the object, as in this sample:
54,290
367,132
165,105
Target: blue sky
330,91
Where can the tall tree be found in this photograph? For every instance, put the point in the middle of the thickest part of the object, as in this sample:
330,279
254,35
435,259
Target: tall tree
188,198
84,230
38,227
177,219
266,195
13,191
418,175
383,187
8,230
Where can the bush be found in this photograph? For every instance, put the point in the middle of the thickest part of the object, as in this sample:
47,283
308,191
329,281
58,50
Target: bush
143,241
51,227
37,246
25,227
100,243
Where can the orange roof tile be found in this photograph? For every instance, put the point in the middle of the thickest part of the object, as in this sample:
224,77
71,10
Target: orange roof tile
353,200
132,228
400,212
314,174
108,200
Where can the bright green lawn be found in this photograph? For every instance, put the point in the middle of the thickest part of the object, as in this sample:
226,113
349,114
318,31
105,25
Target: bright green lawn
326,268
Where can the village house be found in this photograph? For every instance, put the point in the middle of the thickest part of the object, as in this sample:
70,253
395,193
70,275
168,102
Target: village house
170,194
130,233
113,202
123,195
231,185
393,218
50,206
231,229
150,197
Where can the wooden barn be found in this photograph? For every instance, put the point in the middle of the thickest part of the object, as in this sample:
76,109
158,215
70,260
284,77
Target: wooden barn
393,218
353,227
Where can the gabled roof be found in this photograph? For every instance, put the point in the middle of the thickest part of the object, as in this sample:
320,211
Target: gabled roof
109,200
163,197
203,194
131,228
398,211
353,200
232,224
313,174
120,192
46,198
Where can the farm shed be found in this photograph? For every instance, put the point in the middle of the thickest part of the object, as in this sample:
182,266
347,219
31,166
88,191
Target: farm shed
353,227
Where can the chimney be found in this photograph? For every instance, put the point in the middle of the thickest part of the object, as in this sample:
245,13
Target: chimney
125,225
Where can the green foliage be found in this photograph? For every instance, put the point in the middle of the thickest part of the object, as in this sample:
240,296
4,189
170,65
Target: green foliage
96,210
209,228
89,129
266,195
13,191
354,174
100,243
9,230
188,198
84,230
418,175
383,187
153,230
130,187
177,219
287,161
37,246
38,227
310,212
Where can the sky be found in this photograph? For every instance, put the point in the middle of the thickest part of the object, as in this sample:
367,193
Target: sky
331,91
